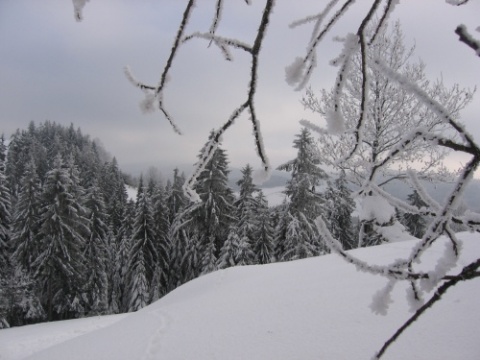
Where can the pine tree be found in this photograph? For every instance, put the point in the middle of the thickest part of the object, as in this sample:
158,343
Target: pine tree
5,248
212,217
95,252
183,254
207,258
5,213
26,224
229,250
112,186
176,198
264,232
119,252
415,223
60,265
139,289
90,168
301,236
298,238
25,306
340,207
18,156
26,244
246,218
143,253
162,232
280,221
245,254
184,258
306,176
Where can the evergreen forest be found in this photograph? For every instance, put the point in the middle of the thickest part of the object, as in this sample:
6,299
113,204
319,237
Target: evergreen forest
72,243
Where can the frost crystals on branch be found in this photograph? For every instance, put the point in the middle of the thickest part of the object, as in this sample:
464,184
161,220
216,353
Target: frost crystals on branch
78,6
154,94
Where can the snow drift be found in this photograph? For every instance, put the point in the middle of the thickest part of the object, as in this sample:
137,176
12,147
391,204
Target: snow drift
317,308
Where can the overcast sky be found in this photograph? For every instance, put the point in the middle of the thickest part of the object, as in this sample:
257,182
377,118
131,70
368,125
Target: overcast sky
53,68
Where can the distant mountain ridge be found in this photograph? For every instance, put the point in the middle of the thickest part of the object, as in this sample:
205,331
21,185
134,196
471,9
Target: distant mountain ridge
437,190
399,189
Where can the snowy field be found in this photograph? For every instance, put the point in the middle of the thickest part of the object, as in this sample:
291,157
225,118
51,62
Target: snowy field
317,308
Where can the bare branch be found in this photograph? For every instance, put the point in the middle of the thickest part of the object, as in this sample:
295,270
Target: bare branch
467,39
388,10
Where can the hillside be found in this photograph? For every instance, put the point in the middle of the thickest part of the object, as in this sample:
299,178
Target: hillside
317,308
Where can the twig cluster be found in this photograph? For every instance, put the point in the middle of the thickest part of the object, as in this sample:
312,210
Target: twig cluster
155,93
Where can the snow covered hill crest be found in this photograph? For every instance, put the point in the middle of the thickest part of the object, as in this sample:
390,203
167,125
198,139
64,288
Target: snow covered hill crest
317,308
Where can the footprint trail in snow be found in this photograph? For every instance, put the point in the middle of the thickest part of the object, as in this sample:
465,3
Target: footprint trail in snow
154,345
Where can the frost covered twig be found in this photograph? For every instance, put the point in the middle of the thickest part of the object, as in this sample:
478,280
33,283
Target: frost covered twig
209,150
249,104
156,93
466,38
78,6
469,272
395,271
222,43
306,64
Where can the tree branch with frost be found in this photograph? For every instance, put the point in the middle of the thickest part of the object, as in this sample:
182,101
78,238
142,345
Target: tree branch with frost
305,66
389,7
465,37
78,6
222,43
363,68
217,17
156,93
396,271
430,103
457,2
471,148
469,272
248,105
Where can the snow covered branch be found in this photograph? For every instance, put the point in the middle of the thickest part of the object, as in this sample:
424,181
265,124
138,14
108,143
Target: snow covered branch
384,119
469,272
249,104
155,94
78,6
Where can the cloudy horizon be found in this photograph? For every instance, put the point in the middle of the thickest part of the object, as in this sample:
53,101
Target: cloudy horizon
53,68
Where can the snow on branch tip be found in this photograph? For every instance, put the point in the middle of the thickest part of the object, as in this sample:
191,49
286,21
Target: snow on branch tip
78,6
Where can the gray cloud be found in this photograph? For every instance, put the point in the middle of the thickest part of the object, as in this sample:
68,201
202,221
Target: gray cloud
57,69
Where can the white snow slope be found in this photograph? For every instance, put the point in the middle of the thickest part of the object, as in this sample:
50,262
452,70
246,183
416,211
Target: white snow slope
318,308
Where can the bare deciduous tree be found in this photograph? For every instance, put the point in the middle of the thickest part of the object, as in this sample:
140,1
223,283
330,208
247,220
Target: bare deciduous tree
392,112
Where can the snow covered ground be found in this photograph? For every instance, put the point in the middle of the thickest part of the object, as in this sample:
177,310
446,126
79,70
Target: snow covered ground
317,308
